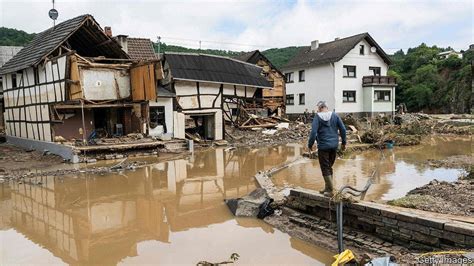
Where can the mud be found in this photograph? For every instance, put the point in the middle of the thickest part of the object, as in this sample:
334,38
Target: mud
442,197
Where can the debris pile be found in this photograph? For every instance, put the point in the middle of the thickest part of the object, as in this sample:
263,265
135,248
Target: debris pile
442,197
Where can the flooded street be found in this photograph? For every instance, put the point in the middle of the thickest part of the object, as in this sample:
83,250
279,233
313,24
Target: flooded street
173,212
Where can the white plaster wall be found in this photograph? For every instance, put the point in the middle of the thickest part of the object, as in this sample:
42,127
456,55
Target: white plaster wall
318,86
179,125
362,63
101,84
168,104
384,106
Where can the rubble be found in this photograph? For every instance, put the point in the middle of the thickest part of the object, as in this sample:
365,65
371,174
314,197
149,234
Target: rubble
250,205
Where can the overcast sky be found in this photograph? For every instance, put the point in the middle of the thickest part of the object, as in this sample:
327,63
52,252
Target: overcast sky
262,24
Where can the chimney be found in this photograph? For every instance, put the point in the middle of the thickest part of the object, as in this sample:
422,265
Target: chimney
108,31
122,40
337,39
314,45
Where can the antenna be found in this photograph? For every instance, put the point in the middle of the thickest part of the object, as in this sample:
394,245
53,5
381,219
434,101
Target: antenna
53,14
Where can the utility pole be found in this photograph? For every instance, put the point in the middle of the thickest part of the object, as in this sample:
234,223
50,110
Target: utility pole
199,45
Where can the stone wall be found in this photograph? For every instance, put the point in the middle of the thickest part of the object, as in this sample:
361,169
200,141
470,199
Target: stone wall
415,229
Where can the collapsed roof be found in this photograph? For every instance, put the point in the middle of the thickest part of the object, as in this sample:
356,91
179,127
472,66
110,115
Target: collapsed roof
253,57
81,34
210,68
331,52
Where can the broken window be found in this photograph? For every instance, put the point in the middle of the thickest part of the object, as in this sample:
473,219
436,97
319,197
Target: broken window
382,96
301,75
349,71
361,49
290,99
157,117
289,77
348,96
302,99
374,71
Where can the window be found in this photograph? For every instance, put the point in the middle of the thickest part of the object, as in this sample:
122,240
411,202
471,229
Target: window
382,96
361,49
289,77
290,99
348,96
374,71
349,71
14,80
157,117
301,99
301,75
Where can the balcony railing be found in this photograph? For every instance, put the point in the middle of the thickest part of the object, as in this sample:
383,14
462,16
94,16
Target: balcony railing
378,81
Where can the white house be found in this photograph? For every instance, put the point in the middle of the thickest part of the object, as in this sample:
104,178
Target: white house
350,74
446,54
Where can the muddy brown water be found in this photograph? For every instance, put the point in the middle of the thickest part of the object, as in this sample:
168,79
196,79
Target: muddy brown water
173,212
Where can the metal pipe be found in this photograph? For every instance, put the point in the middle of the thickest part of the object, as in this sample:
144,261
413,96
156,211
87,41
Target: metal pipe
340,223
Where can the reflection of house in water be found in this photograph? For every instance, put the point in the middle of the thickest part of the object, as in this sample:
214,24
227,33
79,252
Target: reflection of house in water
101,219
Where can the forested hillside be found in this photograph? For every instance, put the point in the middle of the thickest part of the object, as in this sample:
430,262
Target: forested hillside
13,37
426,83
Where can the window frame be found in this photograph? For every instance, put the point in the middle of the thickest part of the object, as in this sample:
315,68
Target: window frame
299,76
290,97
373,73
361,49
299,99
384,92
289,77
349,91
348,75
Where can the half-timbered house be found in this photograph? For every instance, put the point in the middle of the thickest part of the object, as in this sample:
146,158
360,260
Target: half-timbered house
209,91
272,99
74,82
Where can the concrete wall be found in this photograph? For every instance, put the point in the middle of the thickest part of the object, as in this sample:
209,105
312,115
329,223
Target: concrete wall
411,228
318,86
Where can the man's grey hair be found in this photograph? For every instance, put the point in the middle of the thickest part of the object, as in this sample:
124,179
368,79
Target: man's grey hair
321,104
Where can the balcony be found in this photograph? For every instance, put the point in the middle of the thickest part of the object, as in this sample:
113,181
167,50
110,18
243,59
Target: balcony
383,81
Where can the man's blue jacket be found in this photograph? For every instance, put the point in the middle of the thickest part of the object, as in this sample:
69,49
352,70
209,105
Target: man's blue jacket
325,131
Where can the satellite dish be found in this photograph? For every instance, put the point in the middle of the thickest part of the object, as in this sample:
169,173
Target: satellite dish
53,14
373,49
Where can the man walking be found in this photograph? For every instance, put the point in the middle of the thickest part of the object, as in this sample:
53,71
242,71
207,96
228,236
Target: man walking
324,131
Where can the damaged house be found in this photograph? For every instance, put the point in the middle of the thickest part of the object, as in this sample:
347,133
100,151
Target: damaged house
210,90
73,84
272,99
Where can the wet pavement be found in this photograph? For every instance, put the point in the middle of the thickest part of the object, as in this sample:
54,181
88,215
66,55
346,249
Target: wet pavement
173,212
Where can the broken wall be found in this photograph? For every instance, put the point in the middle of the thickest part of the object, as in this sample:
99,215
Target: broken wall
72,124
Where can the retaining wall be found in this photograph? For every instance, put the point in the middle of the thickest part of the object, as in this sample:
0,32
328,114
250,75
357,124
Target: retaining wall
411,228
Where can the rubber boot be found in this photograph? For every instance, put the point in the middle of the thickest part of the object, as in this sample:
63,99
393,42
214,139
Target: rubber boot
328,188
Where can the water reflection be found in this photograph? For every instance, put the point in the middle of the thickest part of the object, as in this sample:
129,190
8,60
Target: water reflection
399,170
90,219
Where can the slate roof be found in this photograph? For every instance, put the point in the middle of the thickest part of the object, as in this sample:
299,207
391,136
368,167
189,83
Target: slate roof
140,49
201,67
253,57
164,93
47,41
330,52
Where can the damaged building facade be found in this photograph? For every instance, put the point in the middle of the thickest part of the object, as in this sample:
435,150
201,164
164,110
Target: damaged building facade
272,99
73,84
210,91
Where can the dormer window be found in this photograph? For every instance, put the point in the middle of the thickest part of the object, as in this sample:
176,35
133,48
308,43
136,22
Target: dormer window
361,49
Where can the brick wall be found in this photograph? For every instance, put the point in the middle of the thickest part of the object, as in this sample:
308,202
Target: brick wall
411,228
